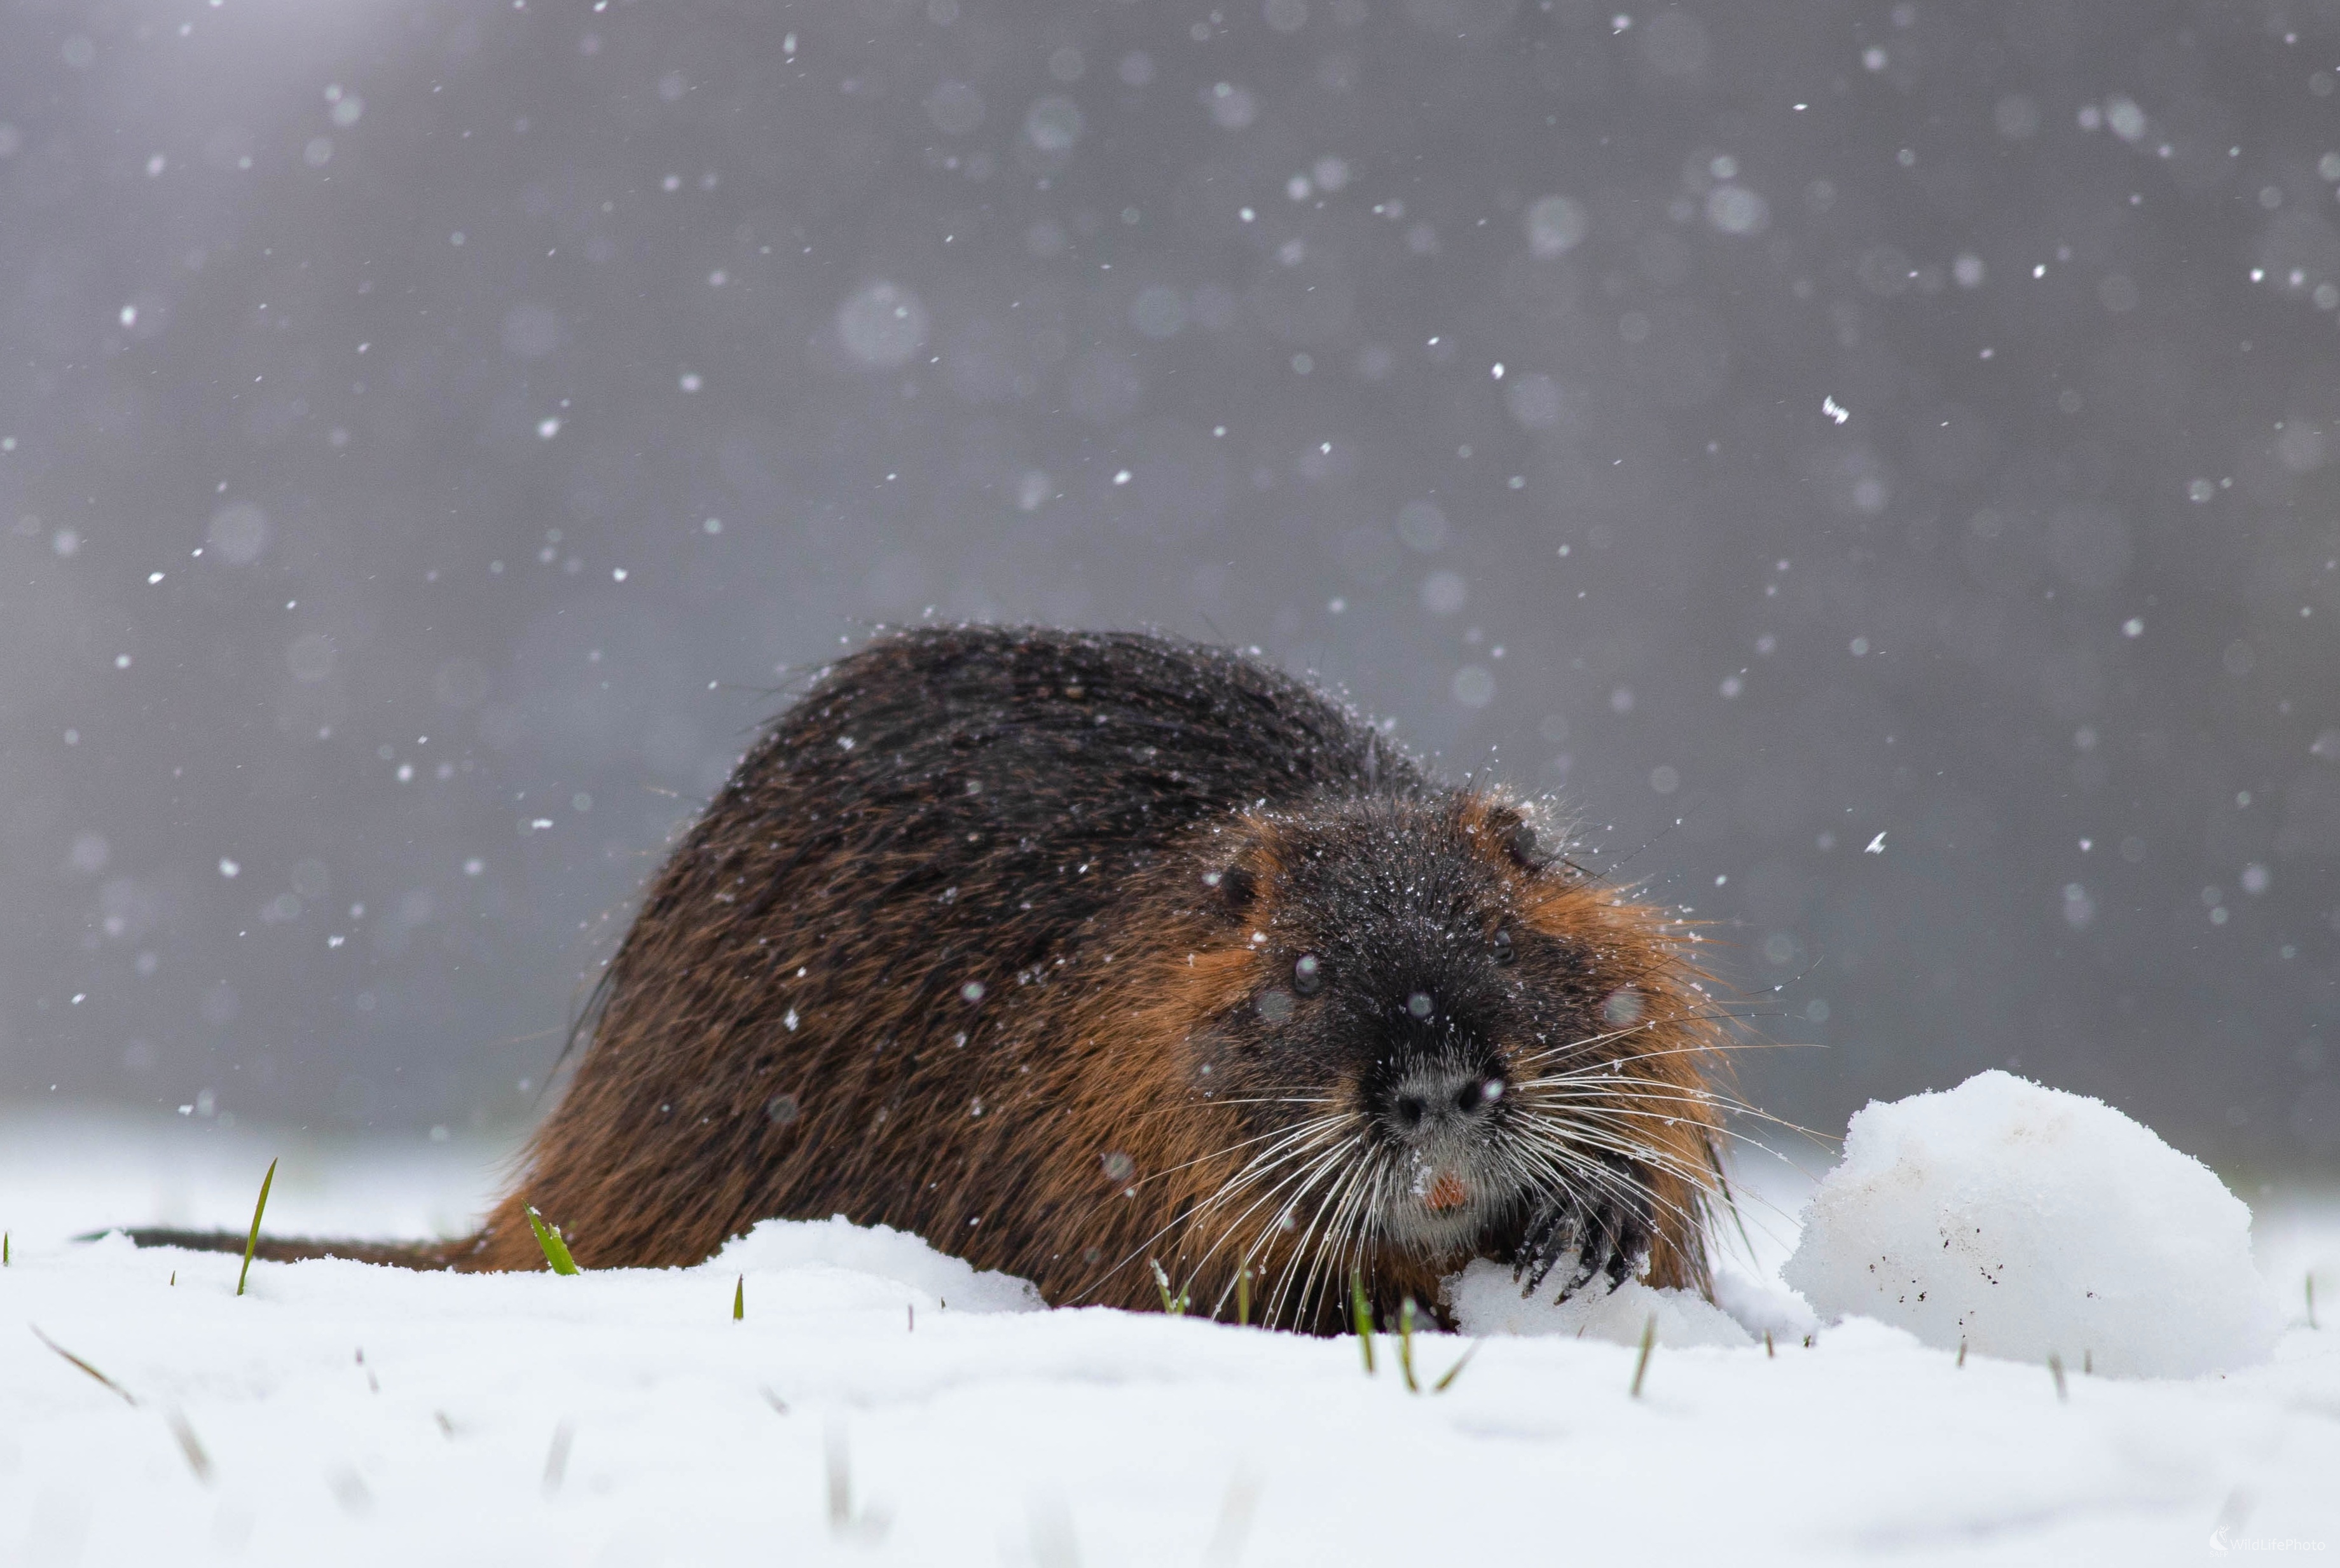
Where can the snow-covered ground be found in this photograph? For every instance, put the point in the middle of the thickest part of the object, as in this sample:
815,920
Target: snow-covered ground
880,1403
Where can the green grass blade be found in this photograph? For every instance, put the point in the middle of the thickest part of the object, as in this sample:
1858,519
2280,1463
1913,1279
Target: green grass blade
1405,1343
1243,1298
556,1251
84,1365
739,1299
1362,1313
1455,1371
253,1240
1649,1342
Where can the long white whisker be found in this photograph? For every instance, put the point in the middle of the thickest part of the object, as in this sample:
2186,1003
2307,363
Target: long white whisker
1642,1153
1318,1158
1278,1134
1190,1211
1329,1161
1339,1206
1307,1246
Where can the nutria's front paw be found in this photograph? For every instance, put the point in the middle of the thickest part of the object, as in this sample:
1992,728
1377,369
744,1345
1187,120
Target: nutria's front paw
1600,1233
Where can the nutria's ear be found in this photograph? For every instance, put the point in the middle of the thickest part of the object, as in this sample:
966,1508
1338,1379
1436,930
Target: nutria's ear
1516,838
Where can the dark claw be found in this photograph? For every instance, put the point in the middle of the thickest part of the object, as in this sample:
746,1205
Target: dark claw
1610,1236
1551,1234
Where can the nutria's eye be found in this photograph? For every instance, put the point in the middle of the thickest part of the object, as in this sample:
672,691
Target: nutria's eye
1502,950
1308,975
1234,885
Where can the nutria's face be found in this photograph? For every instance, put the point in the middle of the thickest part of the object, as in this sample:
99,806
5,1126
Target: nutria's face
1425,1051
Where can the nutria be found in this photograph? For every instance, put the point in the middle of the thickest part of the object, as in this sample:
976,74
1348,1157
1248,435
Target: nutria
1079,954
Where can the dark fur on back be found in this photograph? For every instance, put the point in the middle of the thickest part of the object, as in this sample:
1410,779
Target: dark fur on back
787,1028
942,808
991,939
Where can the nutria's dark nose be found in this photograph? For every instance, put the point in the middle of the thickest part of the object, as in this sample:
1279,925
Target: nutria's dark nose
1430,1099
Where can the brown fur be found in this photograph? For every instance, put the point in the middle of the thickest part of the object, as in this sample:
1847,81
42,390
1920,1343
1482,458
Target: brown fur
978,942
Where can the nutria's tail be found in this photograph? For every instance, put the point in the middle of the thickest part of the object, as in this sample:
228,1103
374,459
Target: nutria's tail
419,1255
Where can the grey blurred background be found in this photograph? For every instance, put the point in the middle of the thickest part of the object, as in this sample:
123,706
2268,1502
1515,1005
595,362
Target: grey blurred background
433,436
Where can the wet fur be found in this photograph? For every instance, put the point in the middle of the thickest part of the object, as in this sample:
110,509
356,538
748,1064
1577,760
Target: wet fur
967,947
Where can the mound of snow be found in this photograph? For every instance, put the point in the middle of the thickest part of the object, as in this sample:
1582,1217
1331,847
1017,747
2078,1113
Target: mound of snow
1761,1308
2028,1221
799,1247
1485,1299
